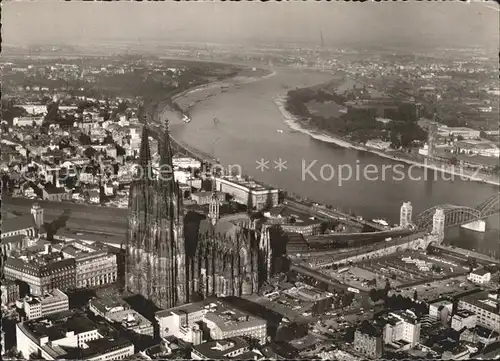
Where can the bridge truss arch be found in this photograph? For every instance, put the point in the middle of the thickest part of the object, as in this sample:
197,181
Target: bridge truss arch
454,215
490,206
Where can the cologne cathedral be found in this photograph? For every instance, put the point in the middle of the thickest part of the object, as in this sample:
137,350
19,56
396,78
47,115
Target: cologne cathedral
155,266
222,259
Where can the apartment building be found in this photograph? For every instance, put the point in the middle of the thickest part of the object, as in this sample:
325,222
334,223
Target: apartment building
486,306
479,276
463,318
402,329
368,340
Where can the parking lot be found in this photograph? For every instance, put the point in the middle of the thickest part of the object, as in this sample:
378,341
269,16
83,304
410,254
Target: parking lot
292,303
289,313
437,289
360,278
401,269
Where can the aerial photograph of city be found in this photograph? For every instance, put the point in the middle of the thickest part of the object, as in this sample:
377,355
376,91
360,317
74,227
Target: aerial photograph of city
250,180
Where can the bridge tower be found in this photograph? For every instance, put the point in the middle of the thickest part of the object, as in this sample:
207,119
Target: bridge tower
405,214
438,223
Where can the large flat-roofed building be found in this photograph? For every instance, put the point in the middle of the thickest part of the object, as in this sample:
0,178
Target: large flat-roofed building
203,198
186,162
249,193
118,311
37,307
68,335
43,273
466,133
43,337
105,306
293,221
233,347
215,315
104,349
94,266
486,306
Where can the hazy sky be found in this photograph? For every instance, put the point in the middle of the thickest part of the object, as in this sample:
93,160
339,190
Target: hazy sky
444,24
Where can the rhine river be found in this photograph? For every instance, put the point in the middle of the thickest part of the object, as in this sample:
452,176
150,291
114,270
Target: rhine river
250,127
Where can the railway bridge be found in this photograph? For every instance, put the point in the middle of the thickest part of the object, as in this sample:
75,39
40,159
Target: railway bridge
458,215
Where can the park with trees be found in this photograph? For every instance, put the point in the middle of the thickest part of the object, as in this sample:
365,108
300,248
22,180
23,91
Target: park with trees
357,124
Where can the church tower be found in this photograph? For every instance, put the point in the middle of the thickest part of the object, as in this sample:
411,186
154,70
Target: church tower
155,266
37,213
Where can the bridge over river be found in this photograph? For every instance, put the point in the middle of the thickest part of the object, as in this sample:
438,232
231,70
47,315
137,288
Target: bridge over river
459,215
454,216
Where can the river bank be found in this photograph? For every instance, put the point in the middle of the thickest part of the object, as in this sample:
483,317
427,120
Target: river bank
295,124
232,81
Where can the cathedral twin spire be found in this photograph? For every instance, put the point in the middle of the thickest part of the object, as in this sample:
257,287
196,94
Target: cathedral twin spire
155,240
166,167
164,148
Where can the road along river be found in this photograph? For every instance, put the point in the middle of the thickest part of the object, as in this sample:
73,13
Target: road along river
250,128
